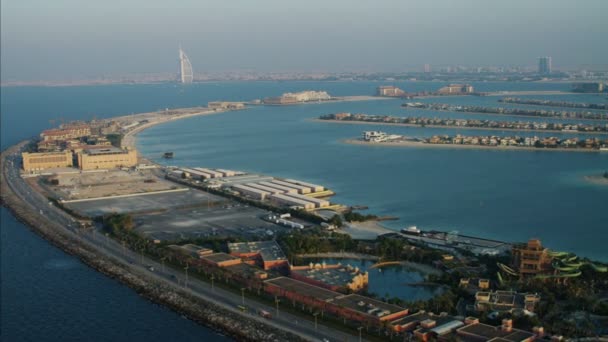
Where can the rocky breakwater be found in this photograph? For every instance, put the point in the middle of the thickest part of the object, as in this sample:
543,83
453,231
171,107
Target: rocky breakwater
238,326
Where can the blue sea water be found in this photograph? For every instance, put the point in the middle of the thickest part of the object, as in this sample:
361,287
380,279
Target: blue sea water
394,281
48,295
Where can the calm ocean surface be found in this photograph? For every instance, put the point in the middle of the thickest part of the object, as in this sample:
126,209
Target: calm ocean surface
48,295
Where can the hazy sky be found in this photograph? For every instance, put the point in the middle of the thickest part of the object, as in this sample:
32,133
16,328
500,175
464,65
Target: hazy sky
62,39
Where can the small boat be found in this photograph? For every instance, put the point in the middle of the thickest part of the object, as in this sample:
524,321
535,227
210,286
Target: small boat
168,155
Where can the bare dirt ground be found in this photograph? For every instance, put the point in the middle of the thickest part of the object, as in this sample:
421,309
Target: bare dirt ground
103,184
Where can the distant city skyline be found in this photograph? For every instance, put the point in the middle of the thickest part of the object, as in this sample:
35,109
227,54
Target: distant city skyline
66,39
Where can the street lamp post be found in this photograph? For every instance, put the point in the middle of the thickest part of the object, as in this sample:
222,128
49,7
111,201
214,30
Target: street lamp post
276,301
360,328
186,270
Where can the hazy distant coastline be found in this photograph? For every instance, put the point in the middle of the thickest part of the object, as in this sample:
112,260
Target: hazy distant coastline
169,78
408,143
597,179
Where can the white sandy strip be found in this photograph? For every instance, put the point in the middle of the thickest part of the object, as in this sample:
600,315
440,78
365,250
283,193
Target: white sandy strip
127,195
466,147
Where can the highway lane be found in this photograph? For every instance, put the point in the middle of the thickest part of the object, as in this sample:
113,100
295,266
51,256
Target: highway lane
134,262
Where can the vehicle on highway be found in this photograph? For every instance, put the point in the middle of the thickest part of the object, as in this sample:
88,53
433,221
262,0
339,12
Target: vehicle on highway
265,314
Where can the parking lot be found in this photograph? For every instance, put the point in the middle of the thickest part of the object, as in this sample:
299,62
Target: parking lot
220,220
147,203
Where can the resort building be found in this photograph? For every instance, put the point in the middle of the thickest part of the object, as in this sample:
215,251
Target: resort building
424,320
266,254
220,260
389,91
366,310
456,89
38,161
106,158
437,329
531,259
473,285
340,278
476,331
309,95
243,273
67,132
505,301
191,250
303,96
49,146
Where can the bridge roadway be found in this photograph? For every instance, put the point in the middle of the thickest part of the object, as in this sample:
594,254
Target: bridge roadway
137,264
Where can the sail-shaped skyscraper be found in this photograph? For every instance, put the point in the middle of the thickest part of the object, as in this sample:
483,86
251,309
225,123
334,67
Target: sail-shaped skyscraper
186,75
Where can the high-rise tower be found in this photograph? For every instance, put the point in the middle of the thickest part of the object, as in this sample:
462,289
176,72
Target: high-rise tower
185,67
544,65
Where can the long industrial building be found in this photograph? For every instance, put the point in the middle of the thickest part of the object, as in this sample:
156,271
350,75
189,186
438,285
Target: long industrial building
214,174
264,188
301,189
281,188
292,201
193,172
319,203
314,187
227,173
251,192
243,179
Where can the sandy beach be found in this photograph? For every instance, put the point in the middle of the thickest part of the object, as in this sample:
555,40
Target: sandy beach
368,230
403,143
533,92
363,98
449,127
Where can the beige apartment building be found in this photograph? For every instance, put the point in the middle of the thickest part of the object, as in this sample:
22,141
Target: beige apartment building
106,158
46,160
69,132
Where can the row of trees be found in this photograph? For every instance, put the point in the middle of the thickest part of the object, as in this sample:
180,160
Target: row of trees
315,241
352,216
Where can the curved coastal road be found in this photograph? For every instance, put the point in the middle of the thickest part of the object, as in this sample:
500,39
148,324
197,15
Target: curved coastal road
169,276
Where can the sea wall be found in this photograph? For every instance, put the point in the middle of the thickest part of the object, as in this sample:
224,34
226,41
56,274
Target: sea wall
239,327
